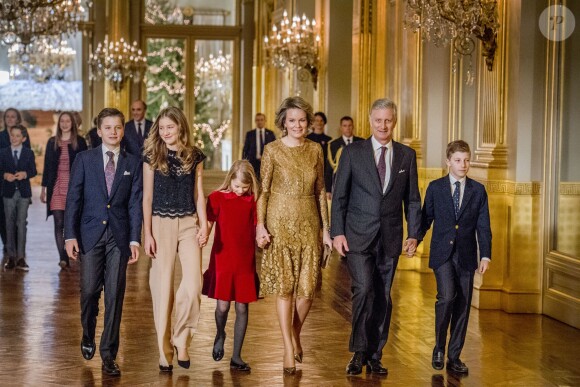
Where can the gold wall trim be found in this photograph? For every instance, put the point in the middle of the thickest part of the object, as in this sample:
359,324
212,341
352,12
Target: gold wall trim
572,189
512,188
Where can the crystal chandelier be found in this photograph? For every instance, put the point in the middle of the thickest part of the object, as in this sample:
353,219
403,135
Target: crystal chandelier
45,59
294,43
214,73
23,21
456,22
117,62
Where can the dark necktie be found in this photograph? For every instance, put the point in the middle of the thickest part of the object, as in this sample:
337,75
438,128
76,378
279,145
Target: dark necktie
139,130
382,166
15,157
348,141
456,194
110,171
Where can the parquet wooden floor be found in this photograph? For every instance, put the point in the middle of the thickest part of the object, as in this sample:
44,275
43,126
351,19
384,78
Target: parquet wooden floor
40,333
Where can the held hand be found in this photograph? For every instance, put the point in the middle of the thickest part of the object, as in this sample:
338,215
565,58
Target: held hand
9,177
410,246
483,266
72,249
202,236
20,175
150,246
340,245
134,254
43,195
262,236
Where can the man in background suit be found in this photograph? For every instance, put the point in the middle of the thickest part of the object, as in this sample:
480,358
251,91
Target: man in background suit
335,150
136,130
254,144
458,207
375,178
103,220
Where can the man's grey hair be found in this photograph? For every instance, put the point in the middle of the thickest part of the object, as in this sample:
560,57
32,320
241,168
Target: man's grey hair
384,103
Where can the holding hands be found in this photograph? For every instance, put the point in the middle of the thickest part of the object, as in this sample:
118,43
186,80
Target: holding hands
410,246
202,236
262,236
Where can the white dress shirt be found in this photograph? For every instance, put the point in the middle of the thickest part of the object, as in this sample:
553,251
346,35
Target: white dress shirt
388,158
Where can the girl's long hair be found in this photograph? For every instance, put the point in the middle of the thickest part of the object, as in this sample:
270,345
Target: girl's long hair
74,130
243,170
155,150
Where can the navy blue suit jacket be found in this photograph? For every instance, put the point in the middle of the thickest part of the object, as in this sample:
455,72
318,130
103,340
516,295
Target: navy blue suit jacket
461,233
25,163
132,142
89,209
360,210
249,151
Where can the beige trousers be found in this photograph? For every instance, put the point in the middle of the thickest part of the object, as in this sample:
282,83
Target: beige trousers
175,237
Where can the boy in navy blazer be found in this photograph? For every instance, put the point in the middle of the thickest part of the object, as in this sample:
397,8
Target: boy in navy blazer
17,167
458,207
102,227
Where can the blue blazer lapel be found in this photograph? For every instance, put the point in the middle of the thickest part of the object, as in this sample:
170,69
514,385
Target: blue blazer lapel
369,159
121,164
100,170
467,195
395,165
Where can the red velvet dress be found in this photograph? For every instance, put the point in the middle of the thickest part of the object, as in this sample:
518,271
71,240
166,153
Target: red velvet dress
231,275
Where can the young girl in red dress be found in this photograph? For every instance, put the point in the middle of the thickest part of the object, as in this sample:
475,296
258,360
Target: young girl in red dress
231,275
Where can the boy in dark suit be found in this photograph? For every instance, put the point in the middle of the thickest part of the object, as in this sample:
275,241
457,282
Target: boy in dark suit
458,207
103,223
17,167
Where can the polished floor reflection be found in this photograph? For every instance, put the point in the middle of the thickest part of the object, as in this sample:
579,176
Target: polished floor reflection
40,333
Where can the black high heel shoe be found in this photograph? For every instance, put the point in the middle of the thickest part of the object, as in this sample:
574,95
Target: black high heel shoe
240,367
298,357
219,353
182,363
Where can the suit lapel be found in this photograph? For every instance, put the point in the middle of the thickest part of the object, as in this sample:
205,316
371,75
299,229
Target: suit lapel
467,195
369,160
100,173
395,165
121,164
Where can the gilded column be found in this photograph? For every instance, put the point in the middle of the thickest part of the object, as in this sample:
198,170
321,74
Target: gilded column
363,62
118,27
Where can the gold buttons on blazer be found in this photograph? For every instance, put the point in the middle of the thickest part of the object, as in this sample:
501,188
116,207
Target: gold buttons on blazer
109,206
457,227
104,222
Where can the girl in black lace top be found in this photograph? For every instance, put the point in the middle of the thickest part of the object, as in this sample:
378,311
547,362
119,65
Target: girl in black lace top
175,224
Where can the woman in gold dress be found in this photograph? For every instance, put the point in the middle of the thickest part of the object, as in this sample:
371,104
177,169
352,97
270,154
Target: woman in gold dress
292,212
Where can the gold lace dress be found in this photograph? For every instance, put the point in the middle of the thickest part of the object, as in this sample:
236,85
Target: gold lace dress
293,208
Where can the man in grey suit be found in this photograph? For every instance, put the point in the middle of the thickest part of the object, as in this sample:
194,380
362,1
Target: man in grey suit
376,182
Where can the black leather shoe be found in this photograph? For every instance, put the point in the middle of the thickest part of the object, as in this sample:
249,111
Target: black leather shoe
218,351
457,366
437,361
355,365
375,367
240,367
182,363
168,368
110,367
9,265
88,349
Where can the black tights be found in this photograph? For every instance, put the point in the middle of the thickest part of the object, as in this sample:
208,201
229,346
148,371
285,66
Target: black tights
58,216
221,317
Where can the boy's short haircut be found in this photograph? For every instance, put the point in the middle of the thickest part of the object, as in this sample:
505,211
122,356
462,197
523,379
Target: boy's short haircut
110,112
457,146
22,129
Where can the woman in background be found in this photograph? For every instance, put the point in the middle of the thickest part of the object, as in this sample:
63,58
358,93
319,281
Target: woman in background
61,151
